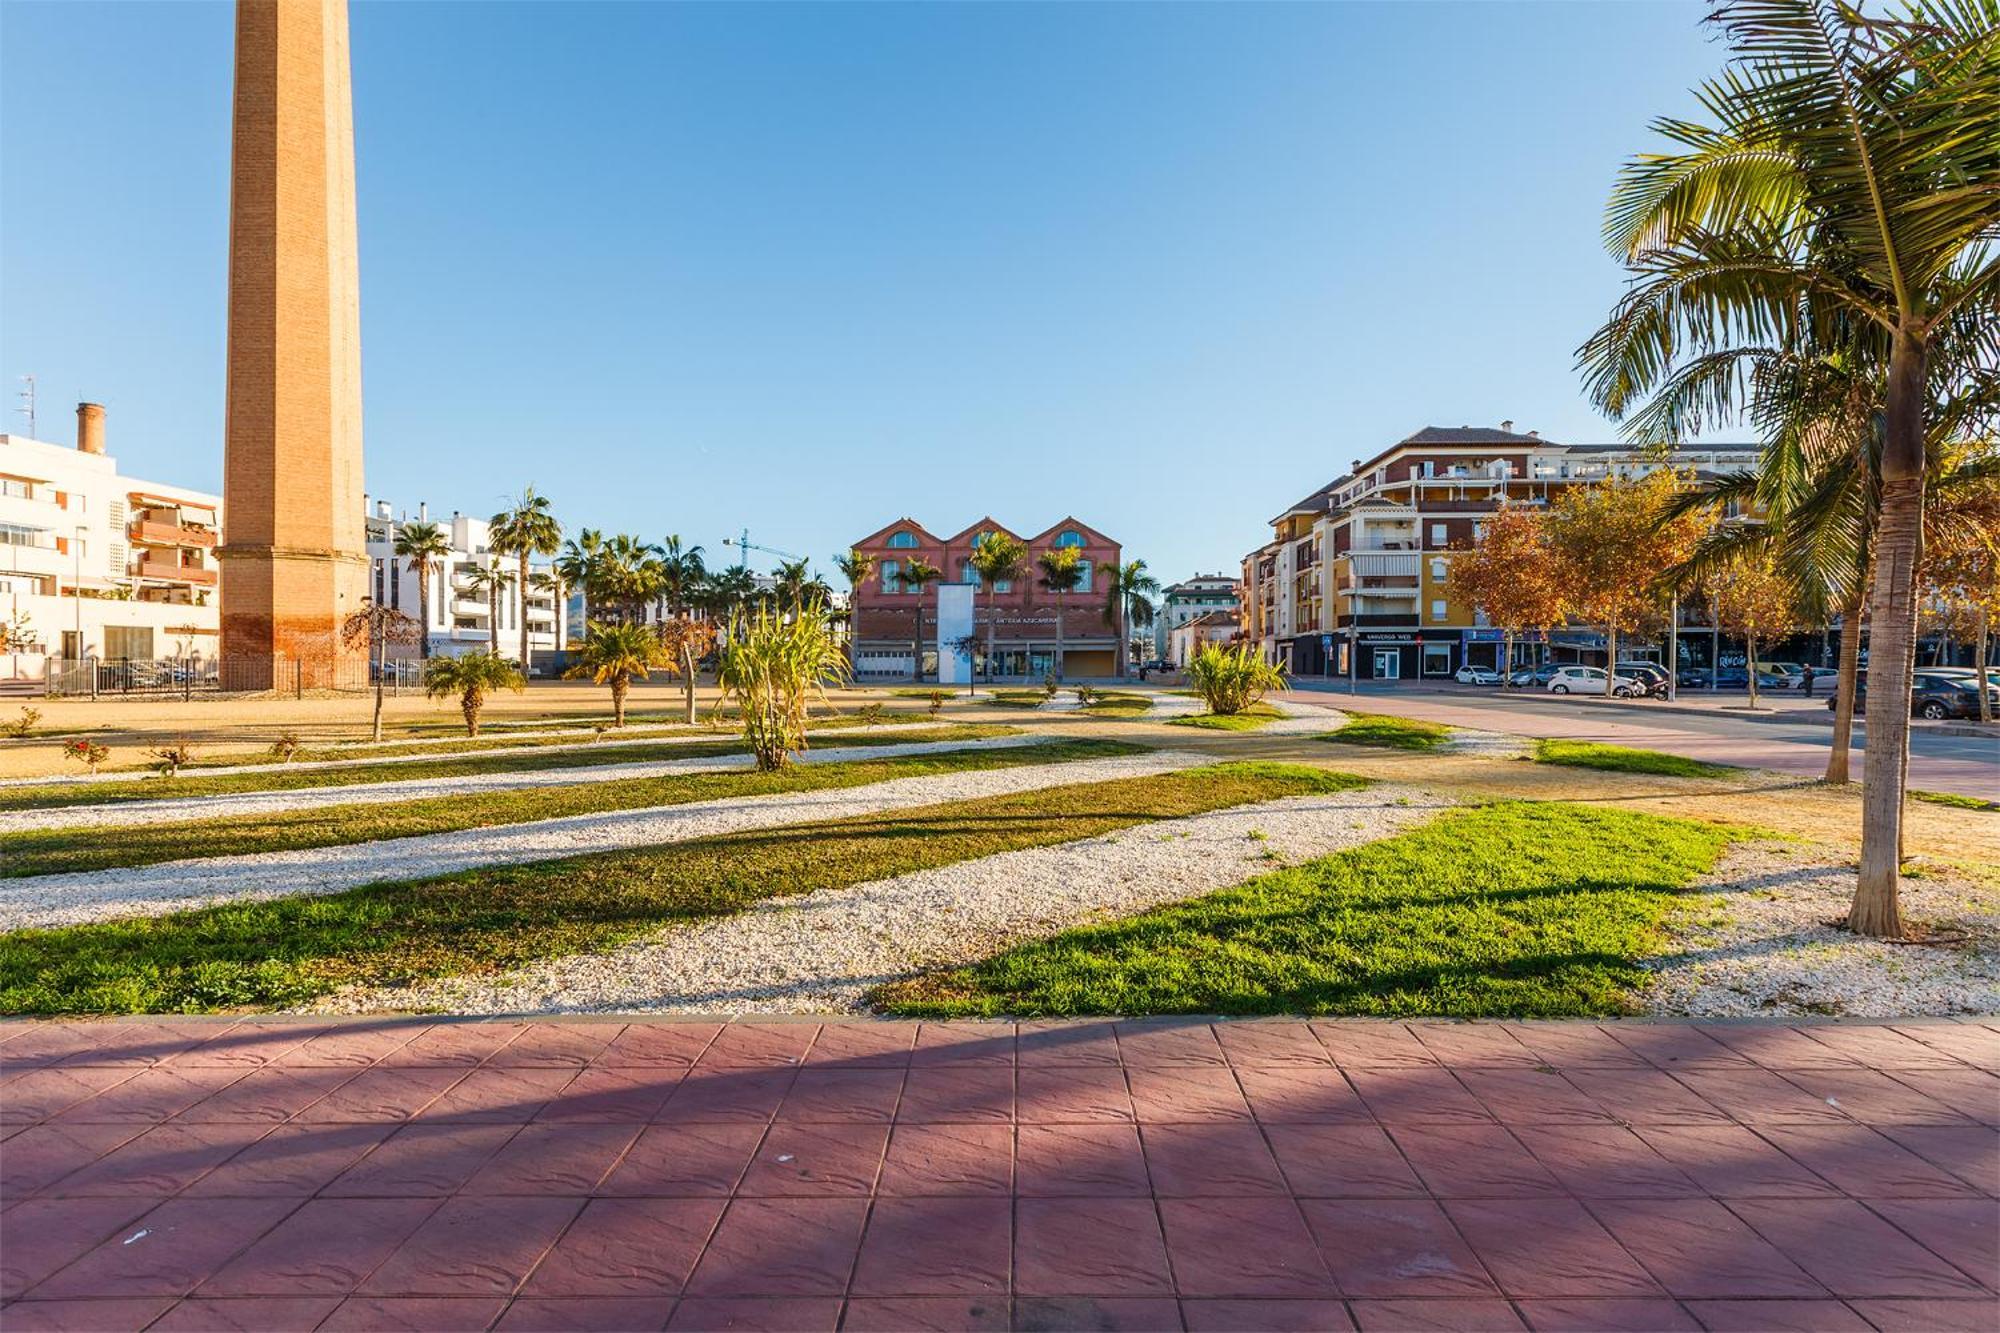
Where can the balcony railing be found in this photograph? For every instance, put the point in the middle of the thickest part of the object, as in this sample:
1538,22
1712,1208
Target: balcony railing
169,571
149,533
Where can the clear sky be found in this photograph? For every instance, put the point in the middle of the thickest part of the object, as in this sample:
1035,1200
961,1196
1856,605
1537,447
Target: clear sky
687,268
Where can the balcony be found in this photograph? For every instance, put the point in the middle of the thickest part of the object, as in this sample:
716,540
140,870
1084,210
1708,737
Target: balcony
170,571
148,532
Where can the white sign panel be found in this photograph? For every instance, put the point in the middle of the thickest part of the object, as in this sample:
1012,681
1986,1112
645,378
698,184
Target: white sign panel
954,625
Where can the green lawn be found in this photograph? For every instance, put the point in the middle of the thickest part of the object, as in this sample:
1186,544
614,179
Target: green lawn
1390,733
289,950
1018,698
1953,798
1251,718
281,778
58,851
1619,759
1532,910
1118,704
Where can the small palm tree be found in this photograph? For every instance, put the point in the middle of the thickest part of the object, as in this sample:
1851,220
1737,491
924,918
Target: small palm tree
529,528
998,558
612,654
1062,570
917,575
471,677
424,547
857,567
1128,605
491,581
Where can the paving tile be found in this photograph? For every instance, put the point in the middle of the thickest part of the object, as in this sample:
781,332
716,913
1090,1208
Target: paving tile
781,1247
1101,1314
964,1043
1251,1315
1417,1095
759,1045
677,1044
1971,1152
1473,1161
1877,1099
1981,1316
1851,1251
381,1094
1975,1046
30,1045
328,1247
354,1045
249,1044
1585,1315
587,1314
1473,1045
948,1159
1210,1160
1822,1316
1242,1247
413,1314
1394,1247
1645,1097
935,1247
38,1094
1366,1044
474,1247
1674,1046
422,1161
1075,1095
247,1314
500,1096
957,1094
926,1314
150,1095
1864,1163
1342,1161
1759,1097
1066,1043
455,1044
556,1044
270,1093
82,1316
756,1315
1089,1247
863,1045
816,1160
1877,1045
629,1094
292,1160
1731,1162
1547,1247
628,1247
1178,1094
1255,1044
39,1236
1972,1093
553,1159
694,1159
1451,1316
1168,1042
162,1161
40,1155
708,1095
1965,1232
1574,1046
1775,1046
1696,1248
168,1251
1606,1161
1300,1095
835,1095
1532,1097
1080,1160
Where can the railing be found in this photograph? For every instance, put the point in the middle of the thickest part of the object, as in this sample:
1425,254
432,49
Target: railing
168,571
185,677
170,534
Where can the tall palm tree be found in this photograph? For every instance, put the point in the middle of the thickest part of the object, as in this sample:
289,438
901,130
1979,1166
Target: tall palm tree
528,528
1128,605
582,556
682,569
1850,180
632,576
857,567
1061,572
423,546
998,558
795,579
493,581
918,574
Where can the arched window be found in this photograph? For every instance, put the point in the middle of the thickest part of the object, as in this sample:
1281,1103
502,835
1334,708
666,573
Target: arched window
902,541
1070,537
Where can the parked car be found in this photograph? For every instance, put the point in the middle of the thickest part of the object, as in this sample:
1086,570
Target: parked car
1785,675
1651,676
1727,678
1535,676
1936,696
1477,675
1592,680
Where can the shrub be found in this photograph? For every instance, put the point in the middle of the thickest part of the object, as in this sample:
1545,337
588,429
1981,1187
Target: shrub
1084,694
23,726
471,677
1049,686
171,759
773,667
870,714
1229,680
287,745
937,702
86,752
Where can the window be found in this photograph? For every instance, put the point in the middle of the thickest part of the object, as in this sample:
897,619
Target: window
902,541
1437,571
1083,576
967,573
1437,534
1437,659
1070,537
128,642
1439,611
892,571
15,488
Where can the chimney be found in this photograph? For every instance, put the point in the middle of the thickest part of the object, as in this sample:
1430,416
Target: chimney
1507,426
1534,435
423,511
90,428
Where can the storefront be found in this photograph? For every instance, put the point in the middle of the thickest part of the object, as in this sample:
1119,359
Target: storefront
1483,648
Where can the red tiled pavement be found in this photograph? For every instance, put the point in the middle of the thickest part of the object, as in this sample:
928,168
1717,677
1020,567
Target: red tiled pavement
615,1175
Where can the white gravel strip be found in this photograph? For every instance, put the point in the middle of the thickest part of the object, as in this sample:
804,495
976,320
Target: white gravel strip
51,900
417,789
1767,947
1172,705
823,952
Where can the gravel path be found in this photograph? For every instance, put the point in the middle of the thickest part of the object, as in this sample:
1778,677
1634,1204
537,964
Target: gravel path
1769,949
417,789
49,900
821,953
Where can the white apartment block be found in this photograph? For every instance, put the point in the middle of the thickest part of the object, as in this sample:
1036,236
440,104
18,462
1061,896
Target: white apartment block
1202,595
461,613
95,564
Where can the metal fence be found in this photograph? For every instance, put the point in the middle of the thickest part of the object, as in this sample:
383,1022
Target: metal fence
185,677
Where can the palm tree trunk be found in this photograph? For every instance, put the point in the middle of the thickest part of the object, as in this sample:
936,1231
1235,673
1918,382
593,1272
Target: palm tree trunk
1124,649
618,687
1059,635
917,644
1843,687
687,676
1982,643
1750,666
522,584
468,704
424,611
1897,550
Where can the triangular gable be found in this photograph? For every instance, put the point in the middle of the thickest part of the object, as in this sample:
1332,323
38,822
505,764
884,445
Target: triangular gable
881,535
1091,536
987,524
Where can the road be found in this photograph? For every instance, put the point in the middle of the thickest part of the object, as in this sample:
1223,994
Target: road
1965,765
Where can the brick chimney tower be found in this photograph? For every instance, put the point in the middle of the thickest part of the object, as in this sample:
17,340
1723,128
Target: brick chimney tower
294,553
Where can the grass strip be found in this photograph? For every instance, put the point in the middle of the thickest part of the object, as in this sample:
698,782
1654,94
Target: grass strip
1251,718
290,950
71,850
1953,799
1390,733
1531,910
58,796
1119,704
1018,698
1620,759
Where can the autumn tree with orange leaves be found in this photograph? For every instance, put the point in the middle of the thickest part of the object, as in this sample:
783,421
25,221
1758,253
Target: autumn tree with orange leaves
1613,542
1753,601
1510,576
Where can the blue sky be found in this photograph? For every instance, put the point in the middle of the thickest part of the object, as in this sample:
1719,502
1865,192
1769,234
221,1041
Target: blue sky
811,268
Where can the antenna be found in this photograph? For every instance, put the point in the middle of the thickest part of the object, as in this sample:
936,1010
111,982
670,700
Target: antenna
27,397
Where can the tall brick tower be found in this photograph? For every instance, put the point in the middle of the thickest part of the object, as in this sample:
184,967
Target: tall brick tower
296,562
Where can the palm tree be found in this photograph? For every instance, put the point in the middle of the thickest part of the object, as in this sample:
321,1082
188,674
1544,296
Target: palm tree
999,558
857,567
682,570
1128,605
1062,570
612,654
491,580
528,529
794,579
1845,195
631,576
580,562
424,547
917,575
471,676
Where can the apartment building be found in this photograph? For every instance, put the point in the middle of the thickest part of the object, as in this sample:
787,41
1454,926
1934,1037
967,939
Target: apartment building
96,564
1021,614
1353,579
461,610
1203,596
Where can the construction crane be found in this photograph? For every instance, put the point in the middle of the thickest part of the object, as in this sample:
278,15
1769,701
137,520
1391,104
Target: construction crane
744,546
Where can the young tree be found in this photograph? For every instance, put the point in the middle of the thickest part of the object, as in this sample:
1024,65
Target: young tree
1128,605
1754,601
997,558
1061,572
528,528
612,654
774,666
471,677
917,575
423,546
1512,575
1613,541
1963,577
374,627
685,641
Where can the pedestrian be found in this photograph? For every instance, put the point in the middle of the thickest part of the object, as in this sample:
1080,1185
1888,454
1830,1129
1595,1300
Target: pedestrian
1806,685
